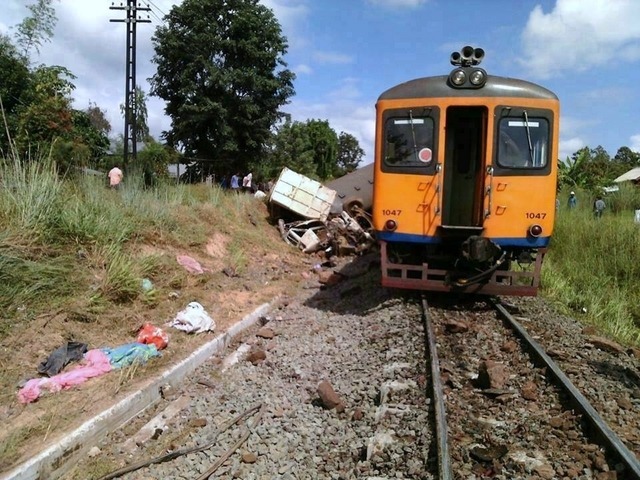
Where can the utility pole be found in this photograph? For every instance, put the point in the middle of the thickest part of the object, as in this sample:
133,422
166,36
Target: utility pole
130,108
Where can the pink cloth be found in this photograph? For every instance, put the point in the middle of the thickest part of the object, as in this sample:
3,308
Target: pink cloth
97,363
190,264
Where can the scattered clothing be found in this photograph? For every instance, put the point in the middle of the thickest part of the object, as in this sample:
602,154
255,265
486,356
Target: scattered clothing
61,357
97,364
150,334
129,354
193,319
190,264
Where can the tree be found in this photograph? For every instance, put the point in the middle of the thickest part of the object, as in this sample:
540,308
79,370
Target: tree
220,69
14,82
290,147
98,118
85,133
627,157
324,142
349,154
140,102
38,27
47,113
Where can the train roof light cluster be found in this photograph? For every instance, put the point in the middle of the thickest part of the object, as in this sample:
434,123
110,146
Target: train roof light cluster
467,74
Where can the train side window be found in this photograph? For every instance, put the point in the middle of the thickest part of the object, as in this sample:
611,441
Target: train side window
408,141
523,142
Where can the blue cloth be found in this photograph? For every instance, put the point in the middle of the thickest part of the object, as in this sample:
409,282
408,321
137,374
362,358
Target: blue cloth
235,181
130,353
572,201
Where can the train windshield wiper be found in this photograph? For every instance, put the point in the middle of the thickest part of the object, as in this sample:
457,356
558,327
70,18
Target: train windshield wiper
526,124
413,134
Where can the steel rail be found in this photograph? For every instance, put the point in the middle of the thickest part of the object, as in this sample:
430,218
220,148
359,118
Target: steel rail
611,441
444,462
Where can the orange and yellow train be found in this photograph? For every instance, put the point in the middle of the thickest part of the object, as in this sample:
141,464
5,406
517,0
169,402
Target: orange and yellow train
465,176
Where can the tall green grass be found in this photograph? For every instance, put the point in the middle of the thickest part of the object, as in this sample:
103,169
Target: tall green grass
73,238
592,268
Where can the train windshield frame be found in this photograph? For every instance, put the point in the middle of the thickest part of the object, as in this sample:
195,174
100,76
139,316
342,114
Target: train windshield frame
523,142
410,140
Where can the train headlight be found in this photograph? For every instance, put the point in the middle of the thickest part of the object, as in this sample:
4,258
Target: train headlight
535,230
478,77
458,77
390,225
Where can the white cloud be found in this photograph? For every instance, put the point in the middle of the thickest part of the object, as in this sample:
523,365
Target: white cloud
579,34
303,69
351,115
332,57
635,143
398,3
568,147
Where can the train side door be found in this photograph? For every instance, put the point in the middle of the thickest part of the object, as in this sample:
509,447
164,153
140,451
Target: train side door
464,150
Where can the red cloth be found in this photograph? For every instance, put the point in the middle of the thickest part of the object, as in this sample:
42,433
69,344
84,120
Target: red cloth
152,334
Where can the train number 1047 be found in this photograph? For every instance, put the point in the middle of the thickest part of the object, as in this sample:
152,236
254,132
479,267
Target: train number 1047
390,212
535,215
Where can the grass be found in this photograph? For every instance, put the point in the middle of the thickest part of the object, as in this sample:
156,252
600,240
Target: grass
73,257
592,271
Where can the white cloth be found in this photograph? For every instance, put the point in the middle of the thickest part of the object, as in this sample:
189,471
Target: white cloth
193,319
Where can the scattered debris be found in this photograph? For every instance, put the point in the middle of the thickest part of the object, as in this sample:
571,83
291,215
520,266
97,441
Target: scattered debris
191,265
193,319
335,225
302,195
61,357
151,334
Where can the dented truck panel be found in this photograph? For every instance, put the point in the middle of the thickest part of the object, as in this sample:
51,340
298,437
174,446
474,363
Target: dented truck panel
301,195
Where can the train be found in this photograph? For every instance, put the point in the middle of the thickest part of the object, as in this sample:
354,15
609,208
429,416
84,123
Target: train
465,181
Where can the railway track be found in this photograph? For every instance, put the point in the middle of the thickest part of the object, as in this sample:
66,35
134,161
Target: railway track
505,420
474,407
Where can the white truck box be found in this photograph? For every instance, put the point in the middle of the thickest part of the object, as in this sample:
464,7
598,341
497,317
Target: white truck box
300,194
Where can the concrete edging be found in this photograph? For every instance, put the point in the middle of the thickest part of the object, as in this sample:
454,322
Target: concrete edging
55,461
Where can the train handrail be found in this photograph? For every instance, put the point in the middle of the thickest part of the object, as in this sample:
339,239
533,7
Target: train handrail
489,191
438,188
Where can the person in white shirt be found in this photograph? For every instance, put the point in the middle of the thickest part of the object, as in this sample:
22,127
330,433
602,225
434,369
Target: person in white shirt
115,177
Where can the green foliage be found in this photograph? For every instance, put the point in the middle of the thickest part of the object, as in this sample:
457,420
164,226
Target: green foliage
98,118
599,278
593,168
30,195
324,144
141,115
38,27
220,69
349,154
14,82
292,148
310,148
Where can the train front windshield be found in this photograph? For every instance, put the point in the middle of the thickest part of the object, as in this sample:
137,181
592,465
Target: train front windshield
408,141
523,142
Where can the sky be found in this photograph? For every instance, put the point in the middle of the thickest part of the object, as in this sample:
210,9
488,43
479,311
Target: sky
345,53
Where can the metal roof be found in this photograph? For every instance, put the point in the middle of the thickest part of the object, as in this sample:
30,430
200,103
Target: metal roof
632,174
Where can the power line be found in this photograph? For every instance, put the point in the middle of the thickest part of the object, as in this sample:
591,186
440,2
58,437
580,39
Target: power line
153,12
157,8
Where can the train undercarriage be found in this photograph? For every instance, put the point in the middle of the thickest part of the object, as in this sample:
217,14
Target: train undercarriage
475,265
